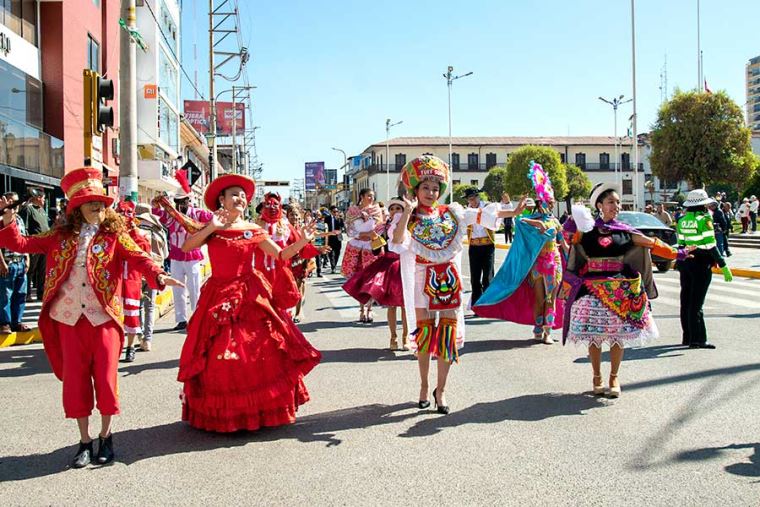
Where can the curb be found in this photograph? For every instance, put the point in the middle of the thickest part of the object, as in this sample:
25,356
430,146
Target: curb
25,338
746,273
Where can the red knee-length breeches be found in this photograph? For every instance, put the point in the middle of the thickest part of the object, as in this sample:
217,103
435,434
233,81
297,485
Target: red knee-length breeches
90,358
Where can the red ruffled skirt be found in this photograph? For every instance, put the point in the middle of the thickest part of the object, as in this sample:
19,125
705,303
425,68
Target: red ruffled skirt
244,361
380,281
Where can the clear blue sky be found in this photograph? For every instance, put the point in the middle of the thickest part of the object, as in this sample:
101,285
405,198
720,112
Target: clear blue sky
330,73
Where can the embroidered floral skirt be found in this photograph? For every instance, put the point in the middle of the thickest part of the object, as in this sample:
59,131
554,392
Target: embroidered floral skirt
355,259
244,360
591,322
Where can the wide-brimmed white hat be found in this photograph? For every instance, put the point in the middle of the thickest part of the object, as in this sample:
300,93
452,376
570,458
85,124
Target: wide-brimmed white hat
697,197
599,189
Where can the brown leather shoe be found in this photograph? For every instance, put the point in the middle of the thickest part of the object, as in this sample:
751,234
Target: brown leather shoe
5,329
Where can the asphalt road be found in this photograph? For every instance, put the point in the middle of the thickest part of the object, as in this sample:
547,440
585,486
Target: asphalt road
523,428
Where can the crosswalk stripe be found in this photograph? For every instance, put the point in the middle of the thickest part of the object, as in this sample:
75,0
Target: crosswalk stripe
341,302
726,287
717,279
712,297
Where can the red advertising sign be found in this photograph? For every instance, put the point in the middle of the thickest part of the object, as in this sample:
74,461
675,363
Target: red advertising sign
197,112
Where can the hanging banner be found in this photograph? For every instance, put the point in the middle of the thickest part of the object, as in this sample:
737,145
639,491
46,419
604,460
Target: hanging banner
197,112
314,176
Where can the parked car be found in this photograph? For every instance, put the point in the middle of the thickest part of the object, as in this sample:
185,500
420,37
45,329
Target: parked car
651,226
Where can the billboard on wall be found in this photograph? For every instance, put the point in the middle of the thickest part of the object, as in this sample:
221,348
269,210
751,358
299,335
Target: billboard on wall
314,176
331,179
197,112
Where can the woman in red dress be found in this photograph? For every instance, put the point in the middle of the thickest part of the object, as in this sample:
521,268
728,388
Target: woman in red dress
244,360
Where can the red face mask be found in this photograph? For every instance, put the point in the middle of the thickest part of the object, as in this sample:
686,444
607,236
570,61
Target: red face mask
272,210
127,210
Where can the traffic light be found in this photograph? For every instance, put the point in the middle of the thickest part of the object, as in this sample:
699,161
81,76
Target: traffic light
98,114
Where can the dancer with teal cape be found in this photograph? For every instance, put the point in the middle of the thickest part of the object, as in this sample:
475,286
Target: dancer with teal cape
525,289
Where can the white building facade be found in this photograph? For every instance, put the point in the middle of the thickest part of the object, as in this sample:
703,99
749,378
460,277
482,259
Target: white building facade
158,96
473,157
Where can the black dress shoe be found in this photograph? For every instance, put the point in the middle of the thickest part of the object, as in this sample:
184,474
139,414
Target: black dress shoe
129,355
424,403
83,456
180,326
105,449
706,345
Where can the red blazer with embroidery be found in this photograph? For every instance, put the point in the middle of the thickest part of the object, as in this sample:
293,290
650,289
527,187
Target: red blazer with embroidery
105,265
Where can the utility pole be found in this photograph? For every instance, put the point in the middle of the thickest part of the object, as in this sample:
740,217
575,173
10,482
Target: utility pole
128,103
211,96
635,136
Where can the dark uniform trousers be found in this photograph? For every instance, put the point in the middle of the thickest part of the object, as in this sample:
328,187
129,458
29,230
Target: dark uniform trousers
481,268
696,275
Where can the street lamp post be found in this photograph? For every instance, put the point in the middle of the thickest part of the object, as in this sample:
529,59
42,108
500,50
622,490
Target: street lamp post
345,163
635,141
615,102
388,126
450,78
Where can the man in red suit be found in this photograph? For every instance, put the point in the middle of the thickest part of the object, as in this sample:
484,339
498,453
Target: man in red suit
81,317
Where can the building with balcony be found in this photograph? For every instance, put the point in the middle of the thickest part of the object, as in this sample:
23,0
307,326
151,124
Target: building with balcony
753,94
44,48
158,97
473,157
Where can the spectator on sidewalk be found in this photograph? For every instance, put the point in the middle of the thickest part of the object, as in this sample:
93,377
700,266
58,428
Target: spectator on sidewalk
753,204
150,226
335,241
13,267
728,212
320,241
509,222
36,221
663,216
184,266
721,225
743,214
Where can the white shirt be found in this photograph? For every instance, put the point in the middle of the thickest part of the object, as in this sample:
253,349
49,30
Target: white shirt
478,231
753,205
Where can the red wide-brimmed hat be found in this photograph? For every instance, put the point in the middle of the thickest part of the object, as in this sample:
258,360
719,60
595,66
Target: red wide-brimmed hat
217,186
84,185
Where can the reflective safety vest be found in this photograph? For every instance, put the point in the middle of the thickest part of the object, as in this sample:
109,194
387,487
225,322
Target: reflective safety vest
696,229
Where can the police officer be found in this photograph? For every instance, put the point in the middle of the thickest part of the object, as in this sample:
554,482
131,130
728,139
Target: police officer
695,229
482,250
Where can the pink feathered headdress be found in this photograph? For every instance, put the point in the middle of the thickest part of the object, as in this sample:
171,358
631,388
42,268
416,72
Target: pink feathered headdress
541,182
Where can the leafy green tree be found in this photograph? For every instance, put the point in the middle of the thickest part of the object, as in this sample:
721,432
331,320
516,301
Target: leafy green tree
459,191
578,184
701,138
752,186
679,197
494,184
517,182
